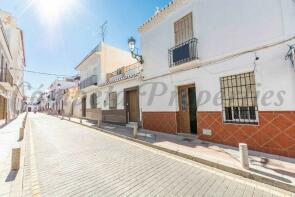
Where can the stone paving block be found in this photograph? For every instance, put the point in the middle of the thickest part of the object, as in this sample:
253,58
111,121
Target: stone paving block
72,160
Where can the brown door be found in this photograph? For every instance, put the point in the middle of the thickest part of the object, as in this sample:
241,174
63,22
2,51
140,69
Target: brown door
2,108
133,106
184,115
84,107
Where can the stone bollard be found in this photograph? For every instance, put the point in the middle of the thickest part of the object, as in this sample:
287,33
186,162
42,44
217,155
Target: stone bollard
244,158
135,131
24,124
80,120
69,117
15,158
21,134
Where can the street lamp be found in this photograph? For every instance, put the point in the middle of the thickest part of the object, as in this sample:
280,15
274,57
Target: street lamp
131,44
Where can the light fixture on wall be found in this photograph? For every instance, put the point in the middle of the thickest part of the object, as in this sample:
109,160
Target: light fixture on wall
291,55
134,50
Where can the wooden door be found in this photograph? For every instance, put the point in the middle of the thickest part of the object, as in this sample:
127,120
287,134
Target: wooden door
184,112
133,106
84,107
3,106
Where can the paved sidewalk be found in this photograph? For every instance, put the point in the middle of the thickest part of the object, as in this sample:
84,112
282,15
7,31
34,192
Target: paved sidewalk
8,139
73,160
277,168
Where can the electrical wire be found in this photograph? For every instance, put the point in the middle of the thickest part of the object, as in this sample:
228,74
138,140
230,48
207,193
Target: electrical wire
40,73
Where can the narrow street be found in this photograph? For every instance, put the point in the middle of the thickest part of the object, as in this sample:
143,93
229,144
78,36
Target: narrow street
72,160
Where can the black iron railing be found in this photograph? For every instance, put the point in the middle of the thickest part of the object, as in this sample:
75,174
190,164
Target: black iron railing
88,82
184,52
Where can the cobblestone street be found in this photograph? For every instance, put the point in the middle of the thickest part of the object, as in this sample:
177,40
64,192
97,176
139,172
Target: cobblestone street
72,160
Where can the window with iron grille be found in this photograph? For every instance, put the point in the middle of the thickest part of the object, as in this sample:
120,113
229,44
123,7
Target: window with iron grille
113,100
93,101
239,99
183,29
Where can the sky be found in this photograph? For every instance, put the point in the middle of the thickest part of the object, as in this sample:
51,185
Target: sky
58,34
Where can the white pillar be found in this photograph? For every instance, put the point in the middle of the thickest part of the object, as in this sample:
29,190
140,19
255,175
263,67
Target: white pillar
135,131
244,158
21,134
15,158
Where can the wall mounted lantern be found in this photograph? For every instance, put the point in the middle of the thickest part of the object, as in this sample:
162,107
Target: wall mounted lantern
291,55
134,50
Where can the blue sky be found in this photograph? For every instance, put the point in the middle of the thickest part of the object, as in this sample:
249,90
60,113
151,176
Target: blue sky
58,47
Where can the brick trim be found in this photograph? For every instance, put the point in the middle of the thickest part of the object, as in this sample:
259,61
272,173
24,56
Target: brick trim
275,133
160,121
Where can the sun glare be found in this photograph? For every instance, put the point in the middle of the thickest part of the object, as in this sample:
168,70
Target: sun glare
51,11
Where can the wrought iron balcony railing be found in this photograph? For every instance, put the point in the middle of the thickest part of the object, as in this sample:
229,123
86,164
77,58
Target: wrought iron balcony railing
184,52
88,82
5,76
124,72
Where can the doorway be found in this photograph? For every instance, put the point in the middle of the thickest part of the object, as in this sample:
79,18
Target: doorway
84,106
3,108
187,109
132,105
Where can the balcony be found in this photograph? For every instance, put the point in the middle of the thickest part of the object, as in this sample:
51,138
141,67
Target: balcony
6,79
124,73
90,81
183,53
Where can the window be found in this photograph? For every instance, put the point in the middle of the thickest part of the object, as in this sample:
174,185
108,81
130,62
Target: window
183,29
239,99
113,100
93,101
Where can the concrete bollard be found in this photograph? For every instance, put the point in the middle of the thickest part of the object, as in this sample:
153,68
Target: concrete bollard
80,120
244,158
69,117
135,131
21,134
15,158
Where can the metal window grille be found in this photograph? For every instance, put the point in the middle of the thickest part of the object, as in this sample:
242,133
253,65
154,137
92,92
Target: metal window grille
239,99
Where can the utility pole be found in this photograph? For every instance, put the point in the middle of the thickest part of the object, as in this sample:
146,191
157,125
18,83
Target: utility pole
103,29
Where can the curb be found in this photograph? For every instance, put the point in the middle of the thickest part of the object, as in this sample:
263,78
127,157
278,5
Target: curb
17,186
239,172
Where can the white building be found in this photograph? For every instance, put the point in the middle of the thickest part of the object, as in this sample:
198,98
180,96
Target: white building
12,64
92,69
56,92
120,98
217,69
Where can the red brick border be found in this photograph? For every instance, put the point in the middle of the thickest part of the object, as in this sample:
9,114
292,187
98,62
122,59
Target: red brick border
160,121
275,133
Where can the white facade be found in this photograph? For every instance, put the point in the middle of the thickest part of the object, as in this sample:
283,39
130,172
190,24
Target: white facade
233,38
13,55
228,39
94,67
57,90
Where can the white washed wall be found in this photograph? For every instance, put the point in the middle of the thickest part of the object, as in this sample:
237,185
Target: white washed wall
119,89
272,72
224,27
